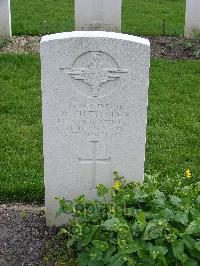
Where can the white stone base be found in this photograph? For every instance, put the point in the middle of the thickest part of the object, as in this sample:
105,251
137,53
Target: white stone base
192,18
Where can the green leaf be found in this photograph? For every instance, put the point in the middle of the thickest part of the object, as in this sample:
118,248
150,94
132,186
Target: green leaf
109,253
129,212
94,211
136,229
124,233
116,260
145,262
101,190
158,203
178,251
95,254
95,263
131,262
152,231
134,246
159,200
151,182
112,224
66,206
193,228
83,259
102,245
195,212
141,217
70,242
175,200
80,202
197,245
88,233
162,261
182,217
167,214
191,262
195,254
143,251
189,241
157,251
198,200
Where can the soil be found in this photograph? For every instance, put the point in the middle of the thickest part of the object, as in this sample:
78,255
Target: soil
175,47
164,47
20,44
23,235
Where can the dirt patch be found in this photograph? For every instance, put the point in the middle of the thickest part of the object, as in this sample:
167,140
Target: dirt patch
164,47
20,45
23,234
175,47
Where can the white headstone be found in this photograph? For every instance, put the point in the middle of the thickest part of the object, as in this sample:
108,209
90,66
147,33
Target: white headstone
5,18
98,15
192,18
94,91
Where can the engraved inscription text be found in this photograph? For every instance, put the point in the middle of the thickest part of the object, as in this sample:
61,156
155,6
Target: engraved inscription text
94,119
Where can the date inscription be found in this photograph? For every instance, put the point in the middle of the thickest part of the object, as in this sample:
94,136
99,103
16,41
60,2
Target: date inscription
94,119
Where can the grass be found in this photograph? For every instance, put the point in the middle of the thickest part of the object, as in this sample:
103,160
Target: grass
173,124
41,17
138,17
21,159
147,17
173,117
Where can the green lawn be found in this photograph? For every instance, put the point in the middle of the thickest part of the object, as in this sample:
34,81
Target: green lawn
39,17
21,162
147,17
143,17
173,118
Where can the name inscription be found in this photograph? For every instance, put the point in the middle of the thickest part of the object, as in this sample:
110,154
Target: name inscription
93,119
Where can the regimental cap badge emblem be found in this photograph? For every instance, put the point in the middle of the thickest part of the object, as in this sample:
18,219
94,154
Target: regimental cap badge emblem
95,74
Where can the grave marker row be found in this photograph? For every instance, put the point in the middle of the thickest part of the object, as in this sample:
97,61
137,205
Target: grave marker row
104,15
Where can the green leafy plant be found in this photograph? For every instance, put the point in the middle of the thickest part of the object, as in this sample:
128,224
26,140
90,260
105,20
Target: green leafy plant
135,224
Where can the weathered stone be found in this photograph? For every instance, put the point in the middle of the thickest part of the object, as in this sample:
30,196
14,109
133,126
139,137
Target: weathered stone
94,90
5,18
98,15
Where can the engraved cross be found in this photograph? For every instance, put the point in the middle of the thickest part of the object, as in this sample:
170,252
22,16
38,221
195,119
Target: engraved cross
94,161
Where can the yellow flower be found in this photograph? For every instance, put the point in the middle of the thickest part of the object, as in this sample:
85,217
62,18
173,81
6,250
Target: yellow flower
117,185
112,210
188,173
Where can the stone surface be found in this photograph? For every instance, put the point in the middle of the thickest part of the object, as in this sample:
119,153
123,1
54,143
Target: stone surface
94,90
5,18
192,18
98,15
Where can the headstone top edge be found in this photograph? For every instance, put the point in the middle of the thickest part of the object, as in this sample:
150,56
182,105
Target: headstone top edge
94,34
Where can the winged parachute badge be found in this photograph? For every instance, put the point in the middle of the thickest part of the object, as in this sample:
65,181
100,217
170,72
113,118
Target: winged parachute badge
94,74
